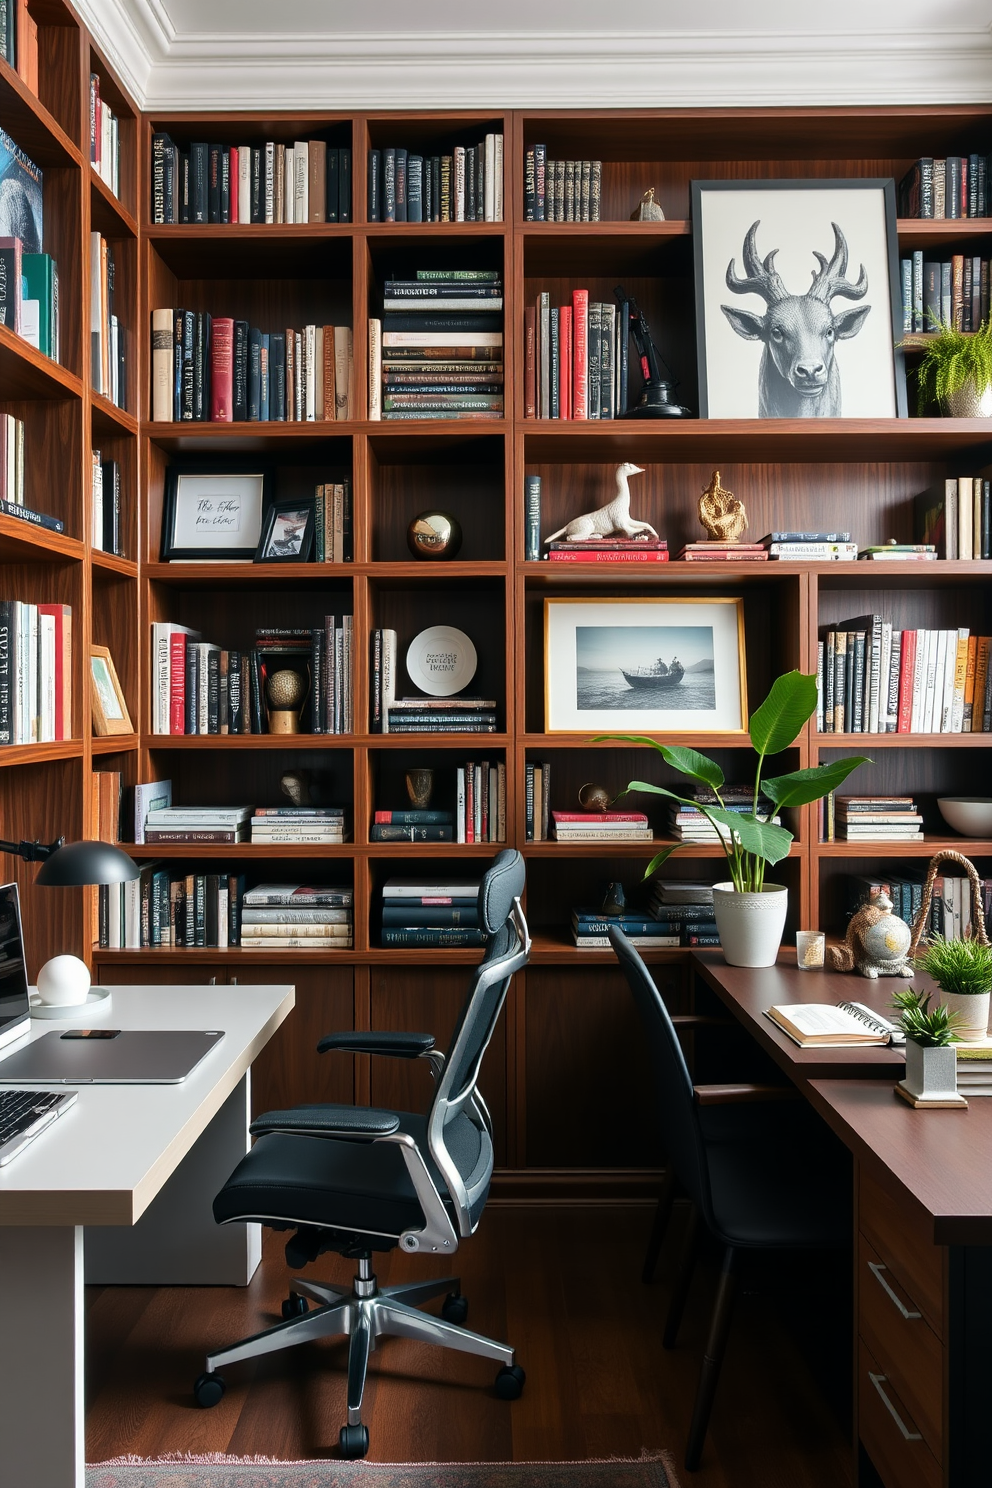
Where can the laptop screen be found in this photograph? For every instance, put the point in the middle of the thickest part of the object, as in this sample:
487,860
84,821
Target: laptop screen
14,1007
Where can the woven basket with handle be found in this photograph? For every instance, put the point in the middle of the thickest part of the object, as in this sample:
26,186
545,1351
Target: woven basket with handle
948,855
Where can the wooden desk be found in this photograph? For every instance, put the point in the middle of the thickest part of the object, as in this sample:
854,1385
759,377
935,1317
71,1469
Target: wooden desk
923,1233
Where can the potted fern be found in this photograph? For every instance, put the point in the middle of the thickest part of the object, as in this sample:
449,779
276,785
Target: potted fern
962,970
750,913
931,1060
955,371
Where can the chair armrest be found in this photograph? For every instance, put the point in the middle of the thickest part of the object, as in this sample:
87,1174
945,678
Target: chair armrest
741,1094
328,1120
398,1045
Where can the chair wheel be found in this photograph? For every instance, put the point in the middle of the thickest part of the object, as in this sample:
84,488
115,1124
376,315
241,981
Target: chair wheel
455,1308
294,1306
510,1382
353,1441
209,1390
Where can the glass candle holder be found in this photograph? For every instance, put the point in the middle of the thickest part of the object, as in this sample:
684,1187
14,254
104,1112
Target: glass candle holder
810,949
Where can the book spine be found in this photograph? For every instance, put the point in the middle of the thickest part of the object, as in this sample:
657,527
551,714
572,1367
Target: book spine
532,515
222,370
580,344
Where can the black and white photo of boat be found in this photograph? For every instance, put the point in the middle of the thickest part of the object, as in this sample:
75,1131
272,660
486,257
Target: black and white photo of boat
632,667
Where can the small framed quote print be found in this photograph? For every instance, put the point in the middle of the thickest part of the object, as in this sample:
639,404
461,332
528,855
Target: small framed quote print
213,514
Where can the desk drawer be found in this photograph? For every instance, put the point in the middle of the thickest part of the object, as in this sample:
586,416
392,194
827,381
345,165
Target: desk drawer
903,1241
891,1435
899,1337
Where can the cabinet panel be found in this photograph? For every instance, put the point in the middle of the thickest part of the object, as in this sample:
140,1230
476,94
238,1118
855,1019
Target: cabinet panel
907,1349
902,1239
891,1436
289,1071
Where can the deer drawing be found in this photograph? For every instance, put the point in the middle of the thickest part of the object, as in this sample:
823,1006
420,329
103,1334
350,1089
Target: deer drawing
798,376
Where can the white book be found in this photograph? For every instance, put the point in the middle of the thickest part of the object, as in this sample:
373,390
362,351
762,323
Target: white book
938,669
976,518
162,632
388,675
96,312
223,915
477,802
244,183
885,667
498,179
96,509
873,673
309,373
929,679
13,485
301,181
163,353
965,513
46,678
957,707
442,888
132,915
916,720
318,380
343,366
460,804
154,795
375,368
947,702
298,376
115,916
489,178
337,523
32,655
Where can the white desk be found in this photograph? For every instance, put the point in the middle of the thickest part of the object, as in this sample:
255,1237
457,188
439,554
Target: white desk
147,1157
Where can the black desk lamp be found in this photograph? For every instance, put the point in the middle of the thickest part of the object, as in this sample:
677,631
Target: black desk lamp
65,980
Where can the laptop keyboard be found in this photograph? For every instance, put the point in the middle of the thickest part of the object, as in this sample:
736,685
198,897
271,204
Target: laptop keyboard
26,1113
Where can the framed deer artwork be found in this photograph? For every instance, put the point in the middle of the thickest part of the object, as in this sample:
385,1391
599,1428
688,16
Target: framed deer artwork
797,299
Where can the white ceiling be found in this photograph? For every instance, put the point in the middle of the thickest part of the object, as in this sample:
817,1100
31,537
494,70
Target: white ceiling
253,54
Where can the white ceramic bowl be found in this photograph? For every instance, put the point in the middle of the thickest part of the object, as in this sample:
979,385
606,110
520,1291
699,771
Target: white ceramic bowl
969,815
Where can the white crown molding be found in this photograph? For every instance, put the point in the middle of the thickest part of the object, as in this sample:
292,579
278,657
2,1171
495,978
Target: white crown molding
498,70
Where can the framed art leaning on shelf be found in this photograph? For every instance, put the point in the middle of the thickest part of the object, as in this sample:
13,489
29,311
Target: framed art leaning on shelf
797,308
663,666
213,513
110,715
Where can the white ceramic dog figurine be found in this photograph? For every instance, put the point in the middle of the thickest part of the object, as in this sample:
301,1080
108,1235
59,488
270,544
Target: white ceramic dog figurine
610,519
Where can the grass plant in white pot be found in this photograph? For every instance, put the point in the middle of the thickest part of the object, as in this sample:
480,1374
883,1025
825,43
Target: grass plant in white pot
962,970
931,1060
955,371
750,912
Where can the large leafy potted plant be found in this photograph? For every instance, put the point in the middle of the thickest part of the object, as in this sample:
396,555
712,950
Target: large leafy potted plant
962,970
955,371
750,913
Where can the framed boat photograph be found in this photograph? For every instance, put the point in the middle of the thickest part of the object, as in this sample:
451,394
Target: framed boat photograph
655,666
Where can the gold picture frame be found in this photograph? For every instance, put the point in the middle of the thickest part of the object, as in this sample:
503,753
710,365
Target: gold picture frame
613,665
109,710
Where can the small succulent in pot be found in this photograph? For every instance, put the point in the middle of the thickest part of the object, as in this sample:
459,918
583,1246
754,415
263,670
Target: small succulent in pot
929,1027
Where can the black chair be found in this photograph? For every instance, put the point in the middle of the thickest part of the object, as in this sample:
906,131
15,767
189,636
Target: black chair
357,1180
754,1185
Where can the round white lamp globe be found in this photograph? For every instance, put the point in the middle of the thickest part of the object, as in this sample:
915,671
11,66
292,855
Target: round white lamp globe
64,981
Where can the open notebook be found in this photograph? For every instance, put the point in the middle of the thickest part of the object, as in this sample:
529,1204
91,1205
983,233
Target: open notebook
821,1025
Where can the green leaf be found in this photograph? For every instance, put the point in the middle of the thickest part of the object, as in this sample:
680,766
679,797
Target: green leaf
660,858
776,722
763,839
802,786
687,761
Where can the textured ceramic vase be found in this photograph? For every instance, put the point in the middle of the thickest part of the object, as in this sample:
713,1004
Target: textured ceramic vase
973,1014
968,402
750,925
930,1073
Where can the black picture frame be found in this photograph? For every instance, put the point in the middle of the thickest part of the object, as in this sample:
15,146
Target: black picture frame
881,237
269,540
185,484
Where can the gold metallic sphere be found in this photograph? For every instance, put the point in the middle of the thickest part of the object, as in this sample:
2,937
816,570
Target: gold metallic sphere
285,689
434,534
593,797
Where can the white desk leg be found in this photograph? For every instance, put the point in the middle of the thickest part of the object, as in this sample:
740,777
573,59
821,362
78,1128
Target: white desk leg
177,1242
41,1357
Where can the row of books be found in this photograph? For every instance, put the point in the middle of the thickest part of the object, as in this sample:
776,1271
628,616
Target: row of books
437,913
456,307
479,813
874,679
948,186
334,522
954,292
308,181
106,500
591,930
601,826
199,688
35,672
105,138
951,905
29,296
165,908
11,461
561,190
463,186
870,819
537,801
214,368
575,359
108,348
957,517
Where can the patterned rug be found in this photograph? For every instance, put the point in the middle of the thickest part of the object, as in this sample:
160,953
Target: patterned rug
655,1471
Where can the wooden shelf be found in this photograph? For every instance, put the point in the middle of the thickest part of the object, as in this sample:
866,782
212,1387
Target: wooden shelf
970,846
773,440
586,741
108,419
248,741
35,754
114,743
27,120
114,563
552,848
27,373
108,213
901,741
24,542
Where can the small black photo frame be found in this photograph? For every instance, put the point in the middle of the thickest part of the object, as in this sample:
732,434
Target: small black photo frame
214,512
287,533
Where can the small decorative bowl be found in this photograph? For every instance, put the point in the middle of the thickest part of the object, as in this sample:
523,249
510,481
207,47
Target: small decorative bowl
969,815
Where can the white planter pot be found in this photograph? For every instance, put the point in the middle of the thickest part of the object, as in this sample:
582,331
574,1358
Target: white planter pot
973,1015
967,403
750,925
931,1074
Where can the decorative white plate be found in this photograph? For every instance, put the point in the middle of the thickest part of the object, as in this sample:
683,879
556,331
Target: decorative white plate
441,660
99,1001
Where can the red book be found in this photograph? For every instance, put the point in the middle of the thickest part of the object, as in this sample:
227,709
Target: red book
63,667
222,370
530,364
565,379
607,555
233,178
580,353
177,683
907,672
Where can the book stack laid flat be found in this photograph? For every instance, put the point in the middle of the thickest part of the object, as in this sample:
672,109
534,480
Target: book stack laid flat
307,181
450,715
601,826
878,819
311,825
590,930
197,824
974,1068
713,550
302,917
437,352
610,550
874,679
690,824
810,547
893,552
463,185
438,913
686,909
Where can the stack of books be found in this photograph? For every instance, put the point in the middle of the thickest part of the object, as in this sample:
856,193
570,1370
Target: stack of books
952,186
163,909
974,1068
590,930
576,358
215,369
415,825
689,824
312,825
877,819
685,909
877,680
307,181
479,814
610,550
196,824
713,550
894,552
297,917
35,672
810,547
437,352
439,913
448,715
601,826
463,186
561,190
537,801
956,517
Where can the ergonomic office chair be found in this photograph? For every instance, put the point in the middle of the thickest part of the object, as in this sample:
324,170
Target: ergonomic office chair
356,1180
751,1195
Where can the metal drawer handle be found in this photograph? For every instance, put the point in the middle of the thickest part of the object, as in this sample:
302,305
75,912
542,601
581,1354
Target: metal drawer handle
876,1271
878,1380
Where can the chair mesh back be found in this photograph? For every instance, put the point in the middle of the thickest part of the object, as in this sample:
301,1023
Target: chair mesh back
670,1078
477,1020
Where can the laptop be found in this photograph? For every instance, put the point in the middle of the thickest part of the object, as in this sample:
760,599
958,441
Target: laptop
131,1057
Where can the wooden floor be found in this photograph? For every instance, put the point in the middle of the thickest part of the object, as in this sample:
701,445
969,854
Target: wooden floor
562,1284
